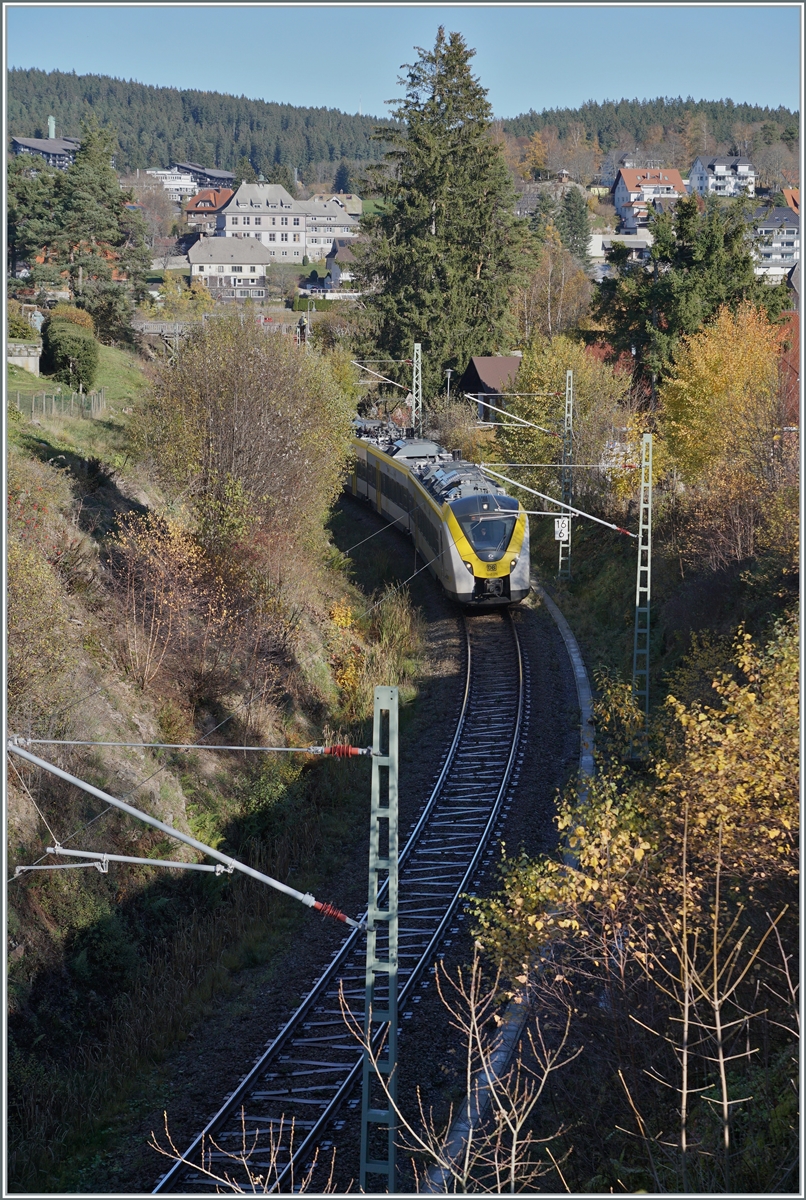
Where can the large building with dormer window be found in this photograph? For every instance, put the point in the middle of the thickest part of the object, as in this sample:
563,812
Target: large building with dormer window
724,176
289,229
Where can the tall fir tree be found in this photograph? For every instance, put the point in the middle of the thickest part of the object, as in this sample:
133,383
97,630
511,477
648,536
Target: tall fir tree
443,253
573,224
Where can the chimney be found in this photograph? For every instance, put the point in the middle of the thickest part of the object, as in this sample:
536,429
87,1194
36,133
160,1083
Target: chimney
51,127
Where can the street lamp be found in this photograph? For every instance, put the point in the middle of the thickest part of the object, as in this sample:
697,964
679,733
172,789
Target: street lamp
449,372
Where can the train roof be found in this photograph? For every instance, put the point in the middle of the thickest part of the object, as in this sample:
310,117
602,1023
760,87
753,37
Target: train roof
444,473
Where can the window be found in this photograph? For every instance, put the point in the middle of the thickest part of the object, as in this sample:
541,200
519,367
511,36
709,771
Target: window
252,270
258,220
235,220
246,220
234,269
296,220
283,237
221,270
274,220
272,237
296,237
201,267
283,220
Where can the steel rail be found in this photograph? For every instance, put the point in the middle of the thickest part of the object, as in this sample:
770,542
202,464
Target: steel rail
478,815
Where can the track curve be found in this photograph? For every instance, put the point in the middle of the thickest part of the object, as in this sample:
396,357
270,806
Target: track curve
313,1064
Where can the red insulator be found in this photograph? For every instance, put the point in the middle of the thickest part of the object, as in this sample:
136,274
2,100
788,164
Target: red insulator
342,751
329,910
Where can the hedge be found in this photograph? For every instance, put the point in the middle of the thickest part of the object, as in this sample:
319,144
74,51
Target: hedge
71,353
77,316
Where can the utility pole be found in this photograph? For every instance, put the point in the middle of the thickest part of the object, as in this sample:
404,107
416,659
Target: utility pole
643,587
566,473
378,1119
417,389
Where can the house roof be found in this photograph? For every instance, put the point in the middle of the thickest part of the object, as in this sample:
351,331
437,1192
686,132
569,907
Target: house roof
261,196
726,160
59,145
792,197
211,172
223,251
638,178
209,199
341,251
772,218
495,373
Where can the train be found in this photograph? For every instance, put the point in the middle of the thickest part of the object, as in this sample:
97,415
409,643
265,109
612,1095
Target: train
473,537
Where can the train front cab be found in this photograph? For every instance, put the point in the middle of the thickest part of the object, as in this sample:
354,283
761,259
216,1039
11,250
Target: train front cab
489,550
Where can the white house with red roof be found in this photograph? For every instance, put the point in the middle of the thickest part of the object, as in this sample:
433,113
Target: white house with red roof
635,188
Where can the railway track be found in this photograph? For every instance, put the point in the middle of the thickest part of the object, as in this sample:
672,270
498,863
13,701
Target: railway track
313,1065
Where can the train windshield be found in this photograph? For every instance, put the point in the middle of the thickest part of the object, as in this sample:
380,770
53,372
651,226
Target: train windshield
487,522
488,535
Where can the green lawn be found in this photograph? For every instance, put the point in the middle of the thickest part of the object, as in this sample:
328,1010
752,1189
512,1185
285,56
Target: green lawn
119,371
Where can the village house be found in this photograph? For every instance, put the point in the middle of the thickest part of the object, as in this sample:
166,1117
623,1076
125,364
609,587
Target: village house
723,176
289,229
177,185
640,185
489,378
340,261
201,211
777,238
232,268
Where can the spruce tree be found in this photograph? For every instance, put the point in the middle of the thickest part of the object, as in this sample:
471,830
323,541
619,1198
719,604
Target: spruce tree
573,224
341,182
699,261
442,255
544,215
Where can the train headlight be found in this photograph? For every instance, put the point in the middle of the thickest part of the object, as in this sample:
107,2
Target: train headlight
469,567
514,563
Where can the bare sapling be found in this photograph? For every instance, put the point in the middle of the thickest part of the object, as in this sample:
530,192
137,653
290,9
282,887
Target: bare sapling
486,1144
257,1167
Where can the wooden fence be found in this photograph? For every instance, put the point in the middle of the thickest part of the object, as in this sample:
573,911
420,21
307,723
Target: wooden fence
60,404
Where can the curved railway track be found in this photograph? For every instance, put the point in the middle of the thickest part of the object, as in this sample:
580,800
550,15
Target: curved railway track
313,1064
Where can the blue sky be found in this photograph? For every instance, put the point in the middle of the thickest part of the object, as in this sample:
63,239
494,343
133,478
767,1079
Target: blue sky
348,57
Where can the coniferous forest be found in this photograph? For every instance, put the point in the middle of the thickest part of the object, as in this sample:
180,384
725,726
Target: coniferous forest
158,124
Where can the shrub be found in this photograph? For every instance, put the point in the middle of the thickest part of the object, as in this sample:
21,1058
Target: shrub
76,316
71,353
19,330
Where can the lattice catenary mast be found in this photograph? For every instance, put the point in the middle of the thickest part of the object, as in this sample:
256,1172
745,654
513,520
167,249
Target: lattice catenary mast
566,473
643,586
378,1120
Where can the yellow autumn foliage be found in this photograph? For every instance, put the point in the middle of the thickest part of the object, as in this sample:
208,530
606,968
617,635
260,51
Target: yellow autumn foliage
720,404
733,783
